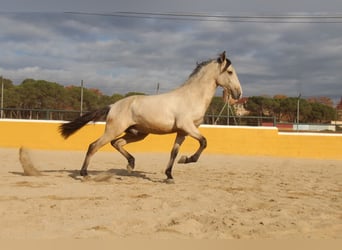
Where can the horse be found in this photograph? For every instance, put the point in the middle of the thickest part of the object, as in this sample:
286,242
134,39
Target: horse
179,111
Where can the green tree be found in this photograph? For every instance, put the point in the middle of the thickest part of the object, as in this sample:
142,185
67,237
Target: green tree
321,113
40,94
11,96
91,99
285,109
72,99
288,109
255,105
305,110
215,107
134,93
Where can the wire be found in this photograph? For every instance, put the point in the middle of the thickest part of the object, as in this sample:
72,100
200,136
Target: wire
222,18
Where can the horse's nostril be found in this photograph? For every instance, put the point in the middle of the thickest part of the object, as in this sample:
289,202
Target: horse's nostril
236,94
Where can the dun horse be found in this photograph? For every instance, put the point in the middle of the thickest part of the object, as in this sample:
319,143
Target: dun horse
180,111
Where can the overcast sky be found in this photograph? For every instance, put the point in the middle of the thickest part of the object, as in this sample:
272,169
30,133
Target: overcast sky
121,54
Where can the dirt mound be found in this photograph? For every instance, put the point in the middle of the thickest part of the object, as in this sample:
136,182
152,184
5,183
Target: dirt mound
27,164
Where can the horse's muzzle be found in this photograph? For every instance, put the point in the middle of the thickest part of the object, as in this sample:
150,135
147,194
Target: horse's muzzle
236,94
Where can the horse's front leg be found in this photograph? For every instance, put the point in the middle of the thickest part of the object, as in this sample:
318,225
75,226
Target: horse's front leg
194,158
174,152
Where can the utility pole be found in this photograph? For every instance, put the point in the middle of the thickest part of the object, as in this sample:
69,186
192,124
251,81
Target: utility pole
2,98
81,98
298,111
158,86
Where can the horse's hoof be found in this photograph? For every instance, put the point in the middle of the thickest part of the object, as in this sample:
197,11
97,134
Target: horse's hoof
129,169
169,181
83,173
183,159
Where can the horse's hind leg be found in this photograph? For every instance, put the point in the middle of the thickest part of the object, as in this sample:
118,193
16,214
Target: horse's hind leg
110,133
129,137
92,149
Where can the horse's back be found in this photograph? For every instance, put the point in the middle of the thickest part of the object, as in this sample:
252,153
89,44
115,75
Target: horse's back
148,114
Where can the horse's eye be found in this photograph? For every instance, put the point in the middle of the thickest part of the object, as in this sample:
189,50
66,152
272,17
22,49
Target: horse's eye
230,72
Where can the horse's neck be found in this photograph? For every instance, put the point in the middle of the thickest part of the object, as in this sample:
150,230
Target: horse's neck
202,86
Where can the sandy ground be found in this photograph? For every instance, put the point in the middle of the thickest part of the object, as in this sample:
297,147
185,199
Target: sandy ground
220,197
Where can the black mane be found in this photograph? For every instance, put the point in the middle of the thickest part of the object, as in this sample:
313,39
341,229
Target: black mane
199,66
204,63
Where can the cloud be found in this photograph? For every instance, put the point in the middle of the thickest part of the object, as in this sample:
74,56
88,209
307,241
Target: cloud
129,54
232,6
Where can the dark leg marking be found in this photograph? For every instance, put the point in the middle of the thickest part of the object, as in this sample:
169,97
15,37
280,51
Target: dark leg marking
195,157
129,137
178,142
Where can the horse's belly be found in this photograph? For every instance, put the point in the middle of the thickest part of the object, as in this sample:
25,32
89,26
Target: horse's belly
152,129
155,125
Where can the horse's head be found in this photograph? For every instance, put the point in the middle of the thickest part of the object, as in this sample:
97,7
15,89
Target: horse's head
228,78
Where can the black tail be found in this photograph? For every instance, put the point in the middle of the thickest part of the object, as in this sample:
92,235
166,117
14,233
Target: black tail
69,128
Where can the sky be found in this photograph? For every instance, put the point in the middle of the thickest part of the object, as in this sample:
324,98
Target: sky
41,39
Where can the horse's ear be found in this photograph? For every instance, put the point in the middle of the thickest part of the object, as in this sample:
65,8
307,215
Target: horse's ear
223,61
222,57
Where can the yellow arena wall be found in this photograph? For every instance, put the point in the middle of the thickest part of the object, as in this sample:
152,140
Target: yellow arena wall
258,141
